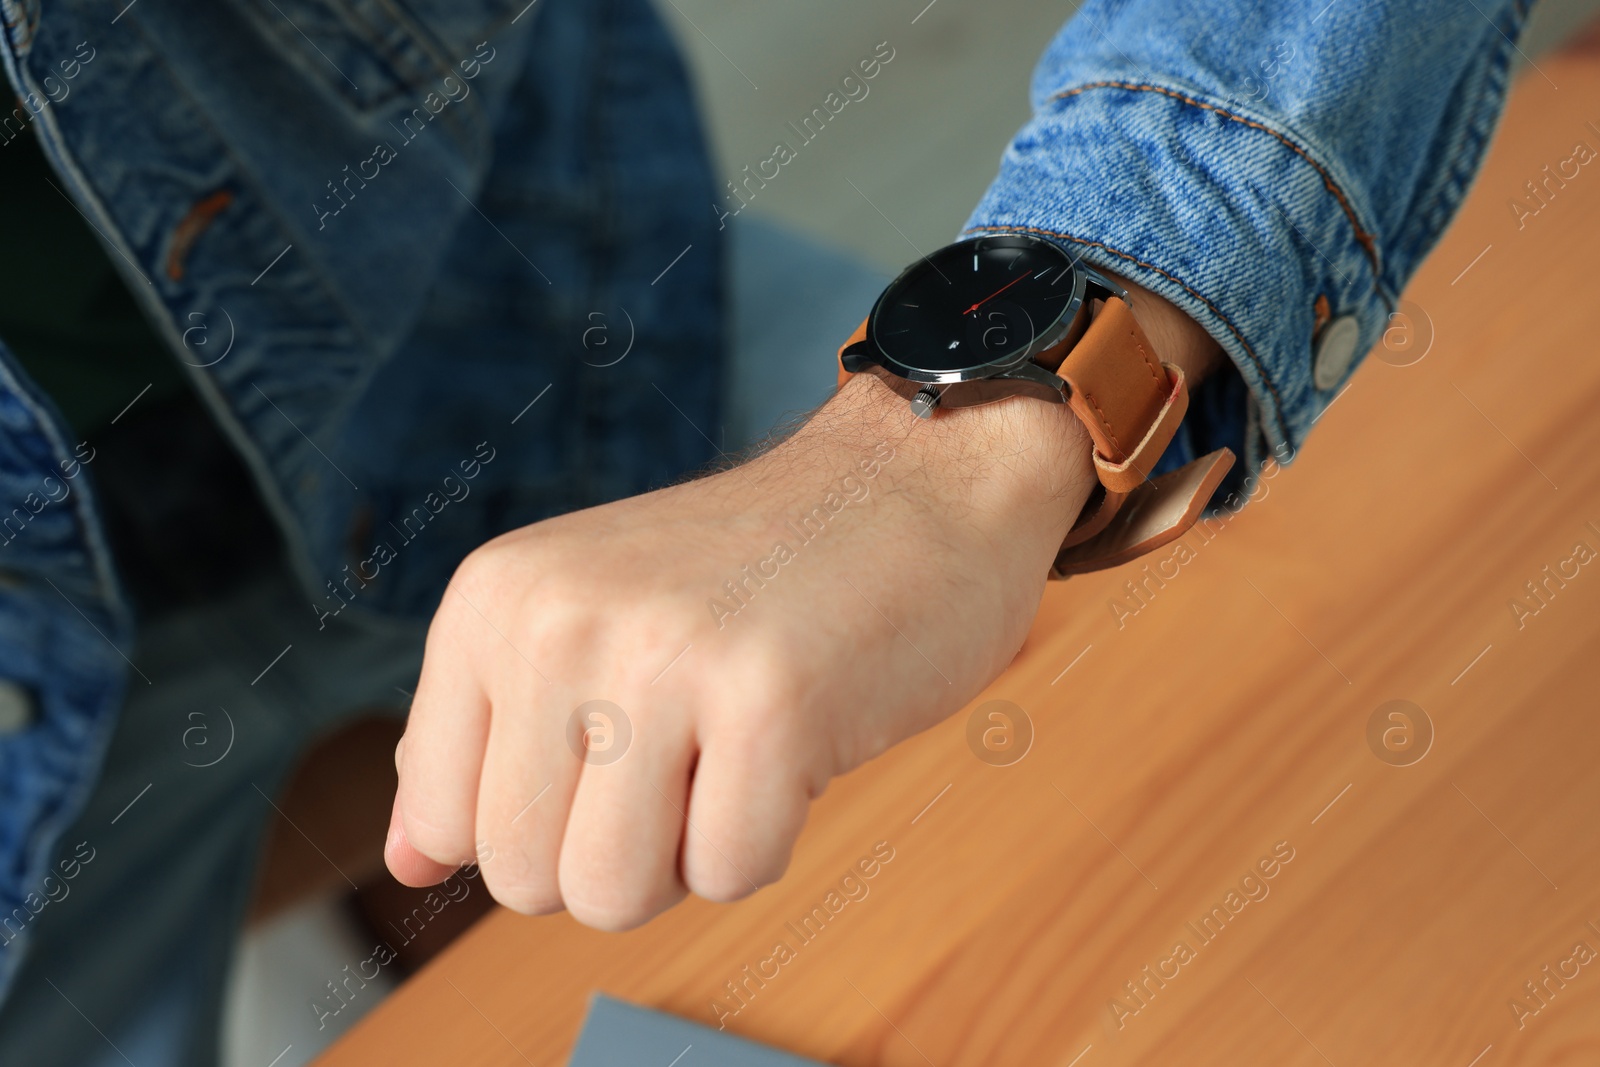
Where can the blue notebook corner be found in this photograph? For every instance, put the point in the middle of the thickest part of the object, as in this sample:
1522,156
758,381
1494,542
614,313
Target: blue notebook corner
619,1034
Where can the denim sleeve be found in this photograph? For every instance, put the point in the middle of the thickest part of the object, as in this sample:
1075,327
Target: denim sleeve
1249,159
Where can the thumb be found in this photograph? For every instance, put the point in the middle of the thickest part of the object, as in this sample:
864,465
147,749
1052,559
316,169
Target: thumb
409,866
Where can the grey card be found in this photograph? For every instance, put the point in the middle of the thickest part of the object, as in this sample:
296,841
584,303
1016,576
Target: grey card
617,1033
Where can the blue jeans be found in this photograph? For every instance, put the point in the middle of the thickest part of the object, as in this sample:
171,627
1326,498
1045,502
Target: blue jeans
130,964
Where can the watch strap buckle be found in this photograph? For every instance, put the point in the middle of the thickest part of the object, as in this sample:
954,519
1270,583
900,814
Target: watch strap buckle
1156,513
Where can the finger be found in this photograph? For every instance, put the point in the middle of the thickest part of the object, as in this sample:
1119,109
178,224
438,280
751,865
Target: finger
409,866
745,813
442,751
619,857
529,774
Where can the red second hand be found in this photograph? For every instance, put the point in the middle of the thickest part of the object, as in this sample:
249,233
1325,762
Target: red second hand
996,293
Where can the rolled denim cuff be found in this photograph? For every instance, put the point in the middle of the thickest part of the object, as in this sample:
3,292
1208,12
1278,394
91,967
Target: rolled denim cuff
1231,219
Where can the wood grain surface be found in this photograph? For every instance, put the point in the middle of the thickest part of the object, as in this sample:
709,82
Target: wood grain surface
1212,731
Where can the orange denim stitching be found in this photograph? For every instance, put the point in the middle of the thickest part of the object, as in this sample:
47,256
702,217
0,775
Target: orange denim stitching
1366,240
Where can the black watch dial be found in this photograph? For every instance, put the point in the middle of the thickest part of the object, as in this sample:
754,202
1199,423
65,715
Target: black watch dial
976,304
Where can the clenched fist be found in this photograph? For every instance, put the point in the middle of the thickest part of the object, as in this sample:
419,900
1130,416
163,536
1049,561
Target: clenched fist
628,703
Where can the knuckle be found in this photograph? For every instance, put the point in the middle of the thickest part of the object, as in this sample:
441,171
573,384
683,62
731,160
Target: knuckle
622,899
480,571
519,861
716,880
757,699
610,918
731,870
562,632
526,900
773,696
610,911
521,889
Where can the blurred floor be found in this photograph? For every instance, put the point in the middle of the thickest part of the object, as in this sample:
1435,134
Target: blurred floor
281,967
794,301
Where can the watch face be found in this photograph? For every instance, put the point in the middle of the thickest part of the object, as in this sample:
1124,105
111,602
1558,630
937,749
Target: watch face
976,304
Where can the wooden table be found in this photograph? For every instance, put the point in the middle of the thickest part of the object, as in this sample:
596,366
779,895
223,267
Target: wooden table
1222,723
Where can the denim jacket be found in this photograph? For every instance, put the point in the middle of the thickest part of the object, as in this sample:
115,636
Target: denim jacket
317,185
374,233
1249,160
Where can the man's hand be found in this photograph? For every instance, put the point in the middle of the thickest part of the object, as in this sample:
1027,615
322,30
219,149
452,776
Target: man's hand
762,630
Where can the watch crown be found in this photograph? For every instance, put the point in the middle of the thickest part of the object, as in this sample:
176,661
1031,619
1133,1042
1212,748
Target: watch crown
924,402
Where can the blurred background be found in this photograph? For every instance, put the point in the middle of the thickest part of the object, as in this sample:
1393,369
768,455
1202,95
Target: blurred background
894,173
924,145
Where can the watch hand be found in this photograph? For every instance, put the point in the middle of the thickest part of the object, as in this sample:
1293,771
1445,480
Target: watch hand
996,293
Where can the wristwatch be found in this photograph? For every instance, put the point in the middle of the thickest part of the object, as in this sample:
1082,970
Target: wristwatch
1011,314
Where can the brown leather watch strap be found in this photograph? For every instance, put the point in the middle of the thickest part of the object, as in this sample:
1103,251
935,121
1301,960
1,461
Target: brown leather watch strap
1118,385
1131,403
1157,513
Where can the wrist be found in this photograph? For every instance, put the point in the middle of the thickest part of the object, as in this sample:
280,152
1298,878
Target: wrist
1014,473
